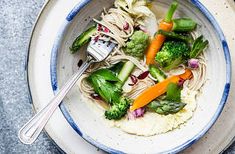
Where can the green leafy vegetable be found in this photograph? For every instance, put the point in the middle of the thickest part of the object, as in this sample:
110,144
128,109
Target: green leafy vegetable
173,92
106,74
198,46
104,83
117,68
172,35
172,54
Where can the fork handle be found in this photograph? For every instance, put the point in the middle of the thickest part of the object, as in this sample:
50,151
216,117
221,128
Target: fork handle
31,130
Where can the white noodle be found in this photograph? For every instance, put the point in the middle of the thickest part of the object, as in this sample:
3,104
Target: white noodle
199,75
114,20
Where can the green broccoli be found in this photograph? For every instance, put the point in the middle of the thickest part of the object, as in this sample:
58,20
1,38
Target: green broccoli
104,82
137,44
135,48
118,110
172,54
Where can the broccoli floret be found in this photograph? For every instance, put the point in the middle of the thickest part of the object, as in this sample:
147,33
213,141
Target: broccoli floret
172,54
118,110
137,44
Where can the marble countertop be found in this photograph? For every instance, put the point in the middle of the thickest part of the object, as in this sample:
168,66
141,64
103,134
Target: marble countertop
16,22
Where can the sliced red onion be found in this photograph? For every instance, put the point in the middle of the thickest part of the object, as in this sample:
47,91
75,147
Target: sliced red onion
181,82
134,79
96,96
136,114
139,112
131,116
99,27
106,30
131,84
143,75
96,38
126,26
193,63
143,29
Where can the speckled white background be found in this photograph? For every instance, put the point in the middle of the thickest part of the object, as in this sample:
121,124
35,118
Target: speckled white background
16,22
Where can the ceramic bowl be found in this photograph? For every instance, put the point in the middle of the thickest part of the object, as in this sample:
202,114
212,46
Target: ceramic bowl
92,127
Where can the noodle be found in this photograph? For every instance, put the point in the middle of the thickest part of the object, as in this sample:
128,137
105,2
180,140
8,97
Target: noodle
140,87
114,20
199,75
117,26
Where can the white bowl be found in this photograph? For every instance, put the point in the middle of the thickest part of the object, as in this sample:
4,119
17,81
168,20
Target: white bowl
93,128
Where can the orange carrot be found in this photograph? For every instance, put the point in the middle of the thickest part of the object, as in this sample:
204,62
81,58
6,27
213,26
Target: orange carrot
157,90
186,75
159,39
157,42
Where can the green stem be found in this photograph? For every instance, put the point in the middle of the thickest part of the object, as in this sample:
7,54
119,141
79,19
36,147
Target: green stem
125,72
186,38
171,11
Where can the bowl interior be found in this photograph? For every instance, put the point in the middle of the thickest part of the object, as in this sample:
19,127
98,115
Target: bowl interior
92,123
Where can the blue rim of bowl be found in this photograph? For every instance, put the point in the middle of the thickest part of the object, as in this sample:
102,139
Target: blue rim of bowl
53,71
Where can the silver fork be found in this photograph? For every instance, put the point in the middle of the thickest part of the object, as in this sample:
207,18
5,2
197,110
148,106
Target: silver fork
97,52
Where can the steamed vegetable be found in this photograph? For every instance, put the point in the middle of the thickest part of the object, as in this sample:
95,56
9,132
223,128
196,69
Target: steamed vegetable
103,81
125,73
165,107
136,48
136,114
193,63
137,44
134,7
159,39
157,73
118,110
184,25
82,39
173,92
172,35
116,68
172,54
171,103
198,46
157,90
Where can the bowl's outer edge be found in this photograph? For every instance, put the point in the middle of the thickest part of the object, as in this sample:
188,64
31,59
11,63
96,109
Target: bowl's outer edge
207,14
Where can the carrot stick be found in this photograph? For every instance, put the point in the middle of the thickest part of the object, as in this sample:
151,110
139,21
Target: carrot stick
158,89
159,39
157,42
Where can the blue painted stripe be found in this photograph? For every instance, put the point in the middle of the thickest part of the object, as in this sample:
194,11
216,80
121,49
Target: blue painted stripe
76,9
223,100
54,84
70,120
